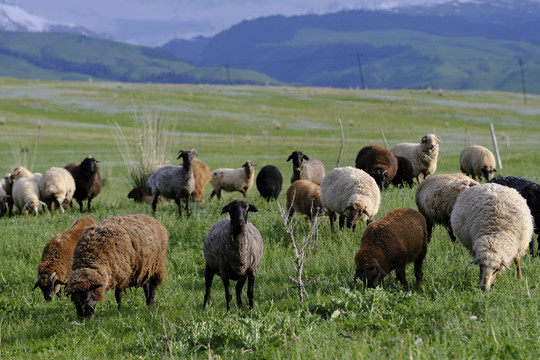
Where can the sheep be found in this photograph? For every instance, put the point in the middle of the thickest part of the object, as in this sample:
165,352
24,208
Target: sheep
6,186
233,250
21,172
311,169
393,241
423,156
138,195
304,196
57,258
119,252
56,186
201,174
493,222
87,180
26,196
378,162
174,182
435,198
404,173
530,191
269,182
477,161
350,191
240,179
3,201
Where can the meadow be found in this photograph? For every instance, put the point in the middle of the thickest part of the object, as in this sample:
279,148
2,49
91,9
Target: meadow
44,124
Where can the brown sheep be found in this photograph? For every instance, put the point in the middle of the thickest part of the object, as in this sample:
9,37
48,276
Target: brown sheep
138,195
201,173
393,241
304,196
378,162
57,258
87,180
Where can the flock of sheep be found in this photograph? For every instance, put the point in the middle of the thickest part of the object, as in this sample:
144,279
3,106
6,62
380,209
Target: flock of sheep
494,221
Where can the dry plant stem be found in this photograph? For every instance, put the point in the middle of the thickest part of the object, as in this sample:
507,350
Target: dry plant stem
166,339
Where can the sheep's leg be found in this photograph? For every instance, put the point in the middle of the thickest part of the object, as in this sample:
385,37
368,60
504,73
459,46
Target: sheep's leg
187,206
154,201
212,195
244,192
451,234
239,287
150,291
228,292
118,296
517,261
531,246
208,278
80,202
400,274
429,226
332,217
341,221
251,282
418,274
179,203
89,208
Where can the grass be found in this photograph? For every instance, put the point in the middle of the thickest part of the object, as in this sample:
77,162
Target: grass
227,126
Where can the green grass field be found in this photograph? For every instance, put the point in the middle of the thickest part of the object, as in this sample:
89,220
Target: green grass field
44,124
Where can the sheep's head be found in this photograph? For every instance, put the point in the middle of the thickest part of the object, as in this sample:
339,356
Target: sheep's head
430,143
20,172
297,157
355,212
488,172
249,166
381,177
85,288
489,268
89,165
368,270
49,285
187,155
238,212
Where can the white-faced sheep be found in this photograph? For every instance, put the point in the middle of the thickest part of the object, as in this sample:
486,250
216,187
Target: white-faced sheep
18,173
230,180
233,250
404,174
393,241
57,258
350,192
477,162
311,169
269,182
174,182
423,156
119,252
436,196
87,180
25,196
56,186
378,162
493,222
201,174
304,196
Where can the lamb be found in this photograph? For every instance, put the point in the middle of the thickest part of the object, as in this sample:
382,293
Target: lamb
233,250
393,241
26,196
304,196
351,192
477,161
436,196
269,182
493,222
174,182
530,191
138,195
240,179
404,173
56,186
201,174
57,258
87,180
311,169
378,162
119,252
423,156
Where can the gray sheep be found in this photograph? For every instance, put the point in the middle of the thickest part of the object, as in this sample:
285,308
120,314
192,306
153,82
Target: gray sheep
477,162
423,156
230,180
304,196
311,169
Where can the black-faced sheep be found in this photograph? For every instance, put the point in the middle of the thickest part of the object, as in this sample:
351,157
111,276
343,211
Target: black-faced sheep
393,241
493,222
404,174
378,162
350,192
25,196
230,180
477,162
304,196
269,182
119,252
311,169
87,180
423,156
201,174
56,186
174,182
4,197
530,191
233,250
138,195
57,258
436,196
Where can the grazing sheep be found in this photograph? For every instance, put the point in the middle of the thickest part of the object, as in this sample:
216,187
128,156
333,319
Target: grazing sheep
174,182
404,174
269,182
530,191
233,250
56,186
423,156
6,186
87,180
119,252
26,196
201,174
378,162
240,179
477,161
436,196
57,258
138,195
351,192
304,196
493,222
3,202
393,241
21,172
311,169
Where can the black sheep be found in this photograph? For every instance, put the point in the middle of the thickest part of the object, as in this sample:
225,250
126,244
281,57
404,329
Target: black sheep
404,174
87,180
378,162
269,182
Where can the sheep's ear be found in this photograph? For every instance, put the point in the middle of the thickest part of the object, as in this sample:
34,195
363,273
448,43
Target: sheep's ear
503,263
59,282
424,139
94,287
36,286
305,157
252,208
51,276
381,271
225,209
474,262
289,158
179,154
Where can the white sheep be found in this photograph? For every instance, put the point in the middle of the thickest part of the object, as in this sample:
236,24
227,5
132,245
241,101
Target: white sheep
350,192
477,161
21,172
240,179
56,186
25,196
494,223
423,156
